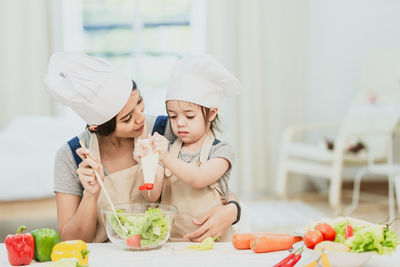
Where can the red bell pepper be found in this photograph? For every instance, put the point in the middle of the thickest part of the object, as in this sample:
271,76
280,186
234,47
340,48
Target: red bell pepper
20,247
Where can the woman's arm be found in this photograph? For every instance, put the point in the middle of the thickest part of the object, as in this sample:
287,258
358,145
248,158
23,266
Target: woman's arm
216,221
77,216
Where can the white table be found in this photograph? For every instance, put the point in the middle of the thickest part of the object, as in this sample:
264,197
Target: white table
177,254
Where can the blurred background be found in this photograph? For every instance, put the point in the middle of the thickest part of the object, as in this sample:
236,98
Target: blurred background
319,105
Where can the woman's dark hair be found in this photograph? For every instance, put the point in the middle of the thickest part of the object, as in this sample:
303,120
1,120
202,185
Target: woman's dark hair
108,127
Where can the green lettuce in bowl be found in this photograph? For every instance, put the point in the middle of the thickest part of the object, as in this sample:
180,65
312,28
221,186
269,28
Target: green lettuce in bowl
148,225
367,236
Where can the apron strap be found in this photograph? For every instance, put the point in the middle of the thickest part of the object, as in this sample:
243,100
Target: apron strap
94,145
206,147
204,155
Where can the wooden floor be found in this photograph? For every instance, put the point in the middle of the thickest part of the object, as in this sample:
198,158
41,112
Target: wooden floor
42,213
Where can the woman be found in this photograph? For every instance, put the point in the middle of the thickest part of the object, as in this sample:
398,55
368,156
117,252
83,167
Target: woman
113,109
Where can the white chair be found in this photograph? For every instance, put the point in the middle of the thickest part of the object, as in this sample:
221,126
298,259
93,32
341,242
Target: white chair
310,159
375,109
391,169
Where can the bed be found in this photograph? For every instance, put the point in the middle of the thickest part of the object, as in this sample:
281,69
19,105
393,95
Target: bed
28,147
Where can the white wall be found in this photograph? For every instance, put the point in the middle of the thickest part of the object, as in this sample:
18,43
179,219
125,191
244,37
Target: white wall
341,34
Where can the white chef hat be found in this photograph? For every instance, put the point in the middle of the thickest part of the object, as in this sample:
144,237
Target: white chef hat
200,79
91,86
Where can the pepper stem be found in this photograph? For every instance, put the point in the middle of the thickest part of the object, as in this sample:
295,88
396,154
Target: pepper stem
84,253
21,229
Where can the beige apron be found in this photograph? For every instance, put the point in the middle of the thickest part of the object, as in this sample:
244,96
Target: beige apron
122,186
191,203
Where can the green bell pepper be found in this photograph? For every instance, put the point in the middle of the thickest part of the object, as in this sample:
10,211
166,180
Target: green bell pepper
45,239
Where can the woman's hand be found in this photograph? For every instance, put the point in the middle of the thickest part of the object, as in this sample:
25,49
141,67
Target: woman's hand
214,223
139,151
160,144
86,171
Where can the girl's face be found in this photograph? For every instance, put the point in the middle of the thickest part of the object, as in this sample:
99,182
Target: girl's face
187,120
130,120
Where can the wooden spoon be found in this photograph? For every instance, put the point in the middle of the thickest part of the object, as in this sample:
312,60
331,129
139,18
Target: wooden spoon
106,193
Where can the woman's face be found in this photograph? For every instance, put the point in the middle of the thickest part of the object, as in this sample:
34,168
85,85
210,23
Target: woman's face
130,120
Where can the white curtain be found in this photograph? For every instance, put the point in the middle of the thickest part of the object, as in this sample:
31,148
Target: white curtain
263,42
25,47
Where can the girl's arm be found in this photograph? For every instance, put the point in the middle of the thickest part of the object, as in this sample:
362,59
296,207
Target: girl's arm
191,174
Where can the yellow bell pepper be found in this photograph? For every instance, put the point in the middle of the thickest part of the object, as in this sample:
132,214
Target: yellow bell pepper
325,261
311,264
71,249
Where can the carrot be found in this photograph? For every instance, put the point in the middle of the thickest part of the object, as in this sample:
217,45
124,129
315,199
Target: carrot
242,241
263,244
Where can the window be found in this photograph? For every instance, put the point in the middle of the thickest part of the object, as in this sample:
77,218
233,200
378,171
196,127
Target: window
143,38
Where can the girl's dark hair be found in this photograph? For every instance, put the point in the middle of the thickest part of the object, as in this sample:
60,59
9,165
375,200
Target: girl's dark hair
214,126
108,127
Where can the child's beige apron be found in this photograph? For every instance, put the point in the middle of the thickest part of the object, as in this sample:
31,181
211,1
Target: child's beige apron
122,186
191,203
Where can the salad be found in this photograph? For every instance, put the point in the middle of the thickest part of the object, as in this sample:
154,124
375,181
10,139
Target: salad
144,230
353,234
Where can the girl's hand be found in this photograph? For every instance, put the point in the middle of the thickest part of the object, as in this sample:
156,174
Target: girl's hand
86,171
139,151
160,145
214,223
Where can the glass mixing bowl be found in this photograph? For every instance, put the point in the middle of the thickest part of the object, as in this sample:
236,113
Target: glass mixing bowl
148,225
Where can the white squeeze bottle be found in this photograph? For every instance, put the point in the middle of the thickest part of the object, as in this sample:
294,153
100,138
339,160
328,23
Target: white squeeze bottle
149,165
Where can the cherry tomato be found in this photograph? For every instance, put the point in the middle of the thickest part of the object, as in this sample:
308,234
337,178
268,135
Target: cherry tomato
326,230
349,231
312,237
134,241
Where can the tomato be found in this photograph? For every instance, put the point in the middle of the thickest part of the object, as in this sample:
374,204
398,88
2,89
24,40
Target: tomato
312,237
134,241
326,230
349,231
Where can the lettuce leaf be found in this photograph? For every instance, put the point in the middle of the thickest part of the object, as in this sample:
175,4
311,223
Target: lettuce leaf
115,225
373,237
153,226
367,239
340,229
390,242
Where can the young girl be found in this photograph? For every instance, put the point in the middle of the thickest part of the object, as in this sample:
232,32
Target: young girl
197,165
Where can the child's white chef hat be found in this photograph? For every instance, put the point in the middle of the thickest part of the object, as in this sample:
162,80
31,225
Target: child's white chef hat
91,86
200,79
